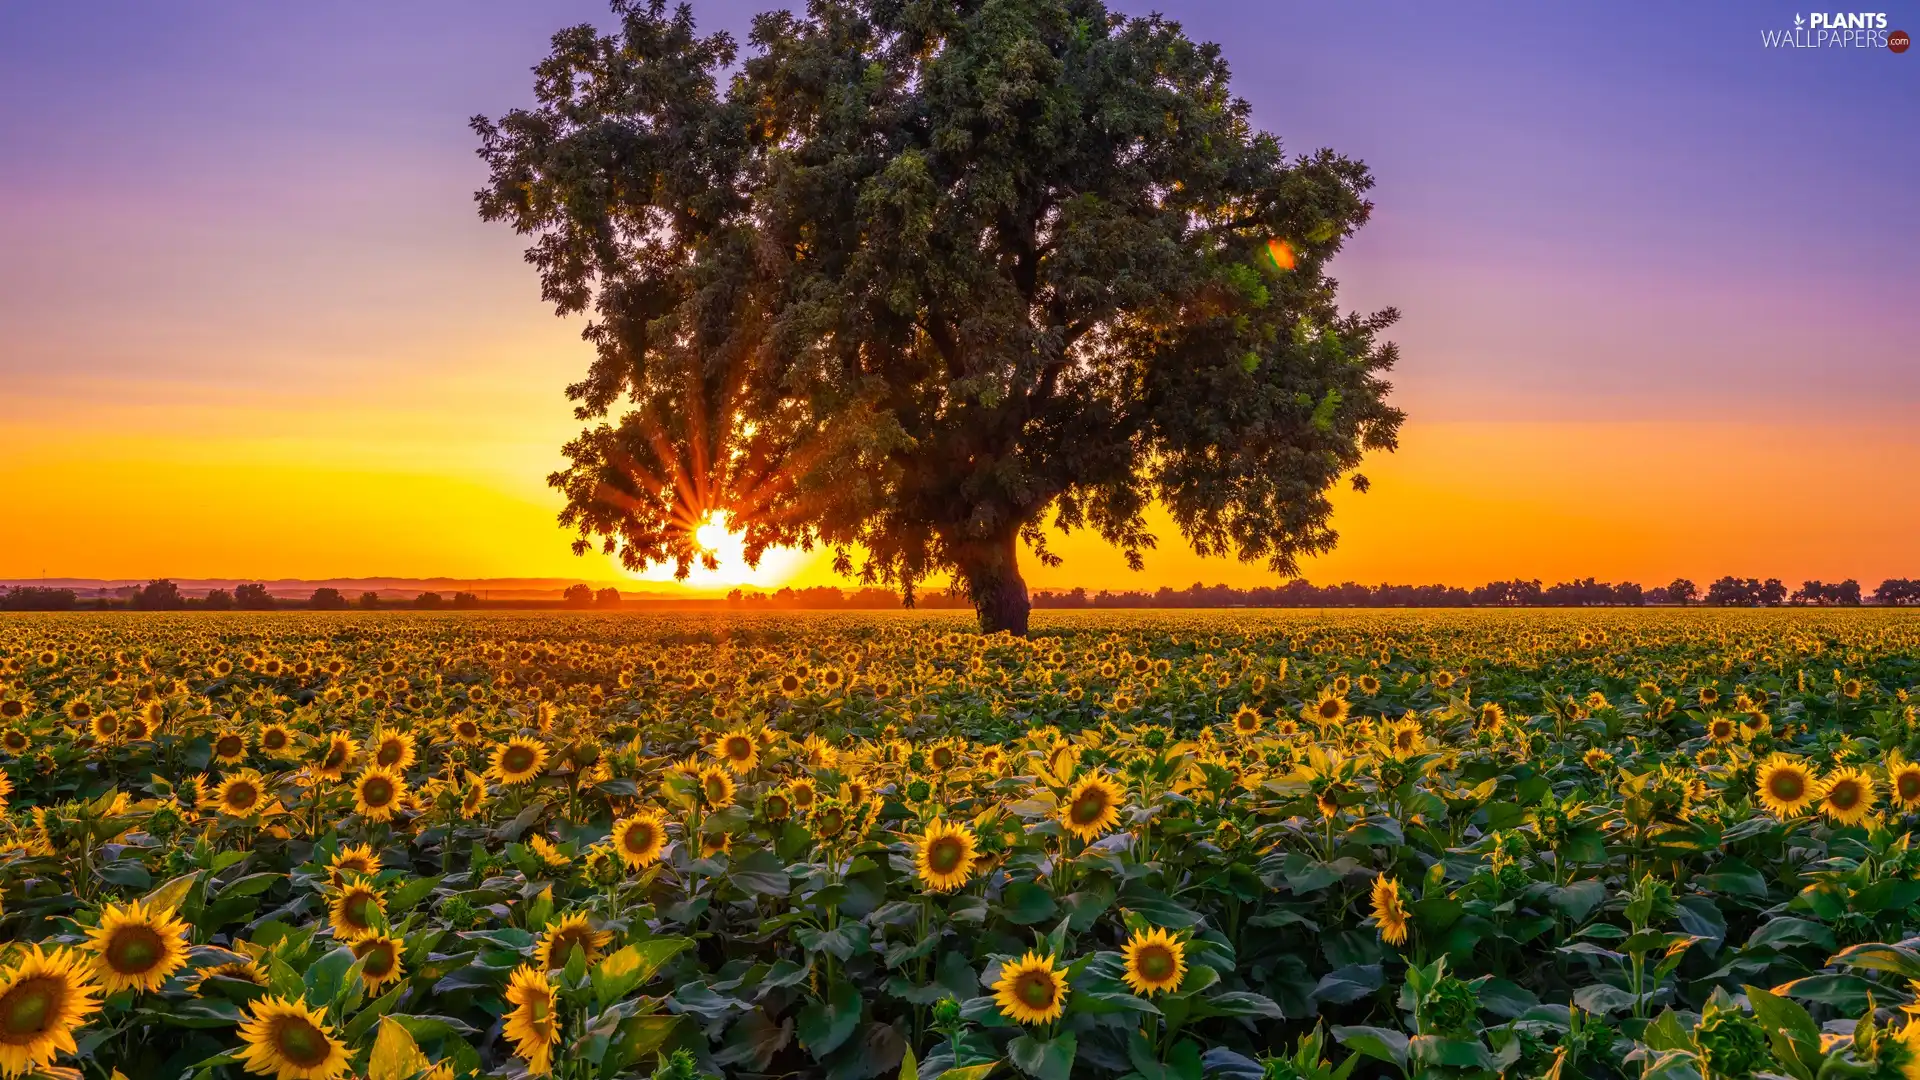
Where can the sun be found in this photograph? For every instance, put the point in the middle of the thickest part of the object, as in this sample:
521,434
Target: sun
715,537
713,534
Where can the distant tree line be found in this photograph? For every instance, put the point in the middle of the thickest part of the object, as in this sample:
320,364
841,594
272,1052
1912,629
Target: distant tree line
1584,592
827,597
164,595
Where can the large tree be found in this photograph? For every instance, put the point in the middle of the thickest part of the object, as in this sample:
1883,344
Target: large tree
919,280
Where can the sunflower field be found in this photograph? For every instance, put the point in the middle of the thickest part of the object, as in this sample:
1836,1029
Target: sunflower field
1146,846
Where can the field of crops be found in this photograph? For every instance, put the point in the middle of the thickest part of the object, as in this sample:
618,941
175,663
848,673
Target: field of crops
1158,846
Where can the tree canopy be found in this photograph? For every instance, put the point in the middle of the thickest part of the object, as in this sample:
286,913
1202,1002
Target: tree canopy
919,281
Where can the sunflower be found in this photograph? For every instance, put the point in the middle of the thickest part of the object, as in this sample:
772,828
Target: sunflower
354,860
856,792
1156,962
1903,781
558,941
802,792
945,856
640,838
829,819
737,750
106,726
1847,796
1596,758
336,753
378,792
1093,806
289,1041
1907,1041
943,756
1061,760
716,787
275,740
392,749
1389,910
1405,737
240,794
473,795
1328,710
1246,721
818,753
1722,730
229,747
548,852
354,909
1786,787
776,806
136,947
15,741
1031,990
518,760
244,971
42,1001
380,956
466,730
531,1025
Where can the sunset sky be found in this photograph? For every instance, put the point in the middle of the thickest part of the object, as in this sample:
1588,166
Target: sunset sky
1658,287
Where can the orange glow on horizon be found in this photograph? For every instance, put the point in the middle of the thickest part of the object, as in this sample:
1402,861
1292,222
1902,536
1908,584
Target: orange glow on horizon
1461,503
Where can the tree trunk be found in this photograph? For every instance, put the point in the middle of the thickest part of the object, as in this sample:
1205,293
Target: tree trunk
992,571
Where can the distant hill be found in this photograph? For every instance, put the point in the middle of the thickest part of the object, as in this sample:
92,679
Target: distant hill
388,588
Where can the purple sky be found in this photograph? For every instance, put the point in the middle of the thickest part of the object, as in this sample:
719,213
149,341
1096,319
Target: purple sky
1585,210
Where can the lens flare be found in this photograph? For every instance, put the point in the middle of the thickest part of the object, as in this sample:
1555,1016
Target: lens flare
1281,253
713,534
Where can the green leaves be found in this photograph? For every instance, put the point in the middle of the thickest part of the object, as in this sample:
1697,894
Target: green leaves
1789,933
824,1024
632,966
1350,983
1043,1059
1577,899
395,1055
1383,1044
842,941
1791,1032
327,979
1026,903
755,1038
760,873
1897,959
